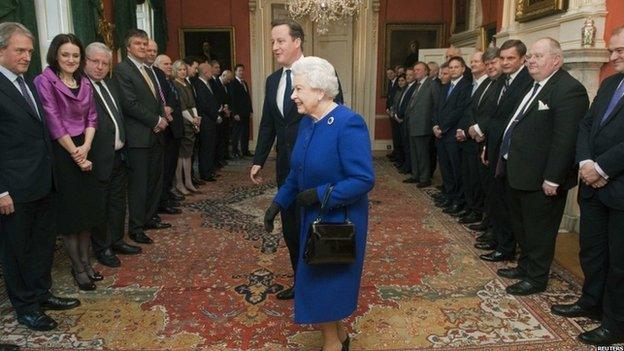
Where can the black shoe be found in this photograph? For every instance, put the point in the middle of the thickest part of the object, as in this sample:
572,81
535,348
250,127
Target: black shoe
423,185
209,179
511,273
524,288
169,210
176,197
126,249
37,320
473,217
601,336
108,258
157,225
455,208
440,187
574,310
496,256
439,196
156,218
59,303
410,180
481,227
462,213
443,204
287,294
487,246
9,347
88,286
141,238
485,237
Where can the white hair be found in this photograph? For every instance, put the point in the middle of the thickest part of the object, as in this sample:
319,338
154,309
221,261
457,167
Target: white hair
319,74
96,46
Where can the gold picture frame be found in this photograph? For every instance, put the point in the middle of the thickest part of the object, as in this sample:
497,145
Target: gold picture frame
528,10
487,36
221,39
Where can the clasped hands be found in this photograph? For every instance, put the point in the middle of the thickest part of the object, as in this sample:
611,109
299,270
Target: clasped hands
80,158
591,177
305,198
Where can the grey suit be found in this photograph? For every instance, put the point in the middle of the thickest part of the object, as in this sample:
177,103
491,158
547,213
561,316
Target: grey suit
419,115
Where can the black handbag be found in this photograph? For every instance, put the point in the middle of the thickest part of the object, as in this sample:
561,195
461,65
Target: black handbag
330,243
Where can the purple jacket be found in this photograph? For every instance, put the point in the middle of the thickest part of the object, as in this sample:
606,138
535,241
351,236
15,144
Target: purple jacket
66,113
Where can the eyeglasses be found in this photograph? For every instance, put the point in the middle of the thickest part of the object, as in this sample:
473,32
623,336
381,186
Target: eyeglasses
99,62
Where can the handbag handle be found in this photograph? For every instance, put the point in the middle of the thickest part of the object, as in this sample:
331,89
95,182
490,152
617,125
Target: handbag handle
324,206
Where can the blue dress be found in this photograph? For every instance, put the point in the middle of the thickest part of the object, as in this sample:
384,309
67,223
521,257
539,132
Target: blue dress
334,151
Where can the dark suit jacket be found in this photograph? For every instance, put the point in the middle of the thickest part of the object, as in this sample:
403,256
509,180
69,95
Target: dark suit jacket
452,109
176,127
206,103
141,109
25,149
421,107
482,107
273,125
543,142
392,90
240,100
495,126
604,144
219,91
103,147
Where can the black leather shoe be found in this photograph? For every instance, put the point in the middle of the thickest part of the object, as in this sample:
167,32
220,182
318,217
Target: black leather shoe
287,294
574,310
37,320
438,196
601,336
157,225
248,154
108,258
488,245
126,249
141,238
496,256
524,288
9,347
423,184
156,218
59,303
169,210
473,217
443,203
455,208
480,227
485,237
511,273
410,180
197,180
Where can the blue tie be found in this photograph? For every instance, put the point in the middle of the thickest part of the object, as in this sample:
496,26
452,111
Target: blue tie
287,92
617,96
24,91
451,87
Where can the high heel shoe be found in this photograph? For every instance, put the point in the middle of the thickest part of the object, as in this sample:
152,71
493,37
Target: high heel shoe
83,286
193,190
182,190
96,277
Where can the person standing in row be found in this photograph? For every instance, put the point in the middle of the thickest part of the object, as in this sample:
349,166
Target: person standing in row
242,112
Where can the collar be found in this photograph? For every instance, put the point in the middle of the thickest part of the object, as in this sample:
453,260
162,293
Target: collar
240,80
136,62
513,75
422,80
289,67
455,81
410,85
543,82
480,79
9,74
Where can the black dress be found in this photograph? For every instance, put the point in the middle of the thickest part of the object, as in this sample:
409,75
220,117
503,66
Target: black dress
79,200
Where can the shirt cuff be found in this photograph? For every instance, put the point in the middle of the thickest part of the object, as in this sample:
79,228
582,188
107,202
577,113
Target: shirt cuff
600,171
582,163
4,194
478,130
159,118
551,184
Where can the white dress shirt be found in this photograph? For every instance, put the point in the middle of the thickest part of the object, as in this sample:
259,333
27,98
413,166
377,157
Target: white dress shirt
279,99
118,143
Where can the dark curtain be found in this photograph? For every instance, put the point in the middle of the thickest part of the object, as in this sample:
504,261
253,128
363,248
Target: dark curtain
125,19
23,11
85,15
160,24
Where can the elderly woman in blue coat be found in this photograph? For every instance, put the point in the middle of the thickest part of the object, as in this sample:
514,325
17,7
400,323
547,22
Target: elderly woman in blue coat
332,149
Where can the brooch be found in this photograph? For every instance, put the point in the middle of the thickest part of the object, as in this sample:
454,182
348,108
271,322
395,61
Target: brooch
330,120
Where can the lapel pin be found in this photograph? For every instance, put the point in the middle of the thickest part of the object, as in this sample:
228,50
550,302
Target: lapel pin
330,120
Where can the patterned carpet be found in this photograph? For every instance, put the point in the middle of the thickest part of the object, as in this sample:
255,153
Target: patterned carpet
209,283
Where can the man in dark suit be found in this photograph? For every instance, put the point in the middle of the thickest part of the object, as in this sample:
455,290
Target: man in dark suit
599,153
208,109
217,84
280,120
240,105
515,83
393,87
109,158
401,117
144,112
536,157
453,104
27,231
419,114
171,136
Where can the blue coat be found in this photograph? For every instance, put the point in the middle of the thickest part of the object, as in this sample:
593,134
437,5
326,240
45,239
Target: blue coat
334,151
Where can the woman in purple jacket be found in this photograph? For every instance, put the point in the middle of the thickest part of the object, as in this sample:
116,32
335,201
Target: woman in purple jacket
67,98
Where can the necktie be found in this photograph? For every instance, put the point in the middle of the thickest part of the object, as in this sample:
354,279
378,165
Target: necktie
111,105
506,143
474,87
287,91
148,80
405,99
160,92
617,96
504,89
24,90
451,87
244,85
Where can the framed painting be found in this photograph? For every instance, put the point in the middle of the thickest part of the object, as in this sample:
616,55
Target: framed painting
528,10
214,43
403,40
488,36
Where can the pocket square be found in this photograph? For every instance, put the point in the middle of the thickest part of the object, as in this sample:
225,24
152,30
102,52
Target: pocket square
542,106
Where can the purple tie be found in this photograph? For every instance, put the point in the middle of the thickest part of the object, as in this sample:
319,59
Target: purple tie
26,95
617,96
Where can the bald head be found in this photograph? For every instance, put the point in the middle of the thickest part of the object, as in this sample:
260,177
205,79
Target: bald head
544,58
164,63
152,52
